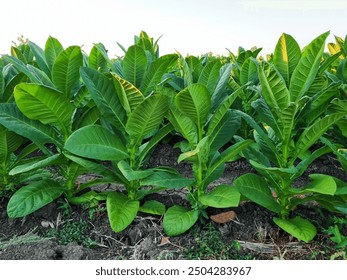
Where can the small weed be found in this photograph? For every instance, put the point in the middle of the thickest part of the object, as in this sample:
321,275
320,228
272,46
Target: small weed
337,231
209,245
65,208
72,232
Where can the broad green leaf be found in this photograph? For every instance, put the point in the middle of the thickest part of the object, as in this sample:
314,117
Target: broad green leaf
311,134
282,172
32,197
21,67
96,142
219,93
103,52
195,67
274,89
153,207
227,155
287,118
248,72
130,174
307,68
134,65
8,91
201,151
89,117
222,110
121,210
195,102
328,62
155,72
265,115
186,69
44,104
322,184
93,166
40,58
52,49
222,196
40,76
90,199
184,125
9,143
298,227
225,130
34,165
165,179
128,94
210,75
14,120
105,97
147,117
146,148
18,54
257,190
263,135
97,61
286,56
178,220
65,71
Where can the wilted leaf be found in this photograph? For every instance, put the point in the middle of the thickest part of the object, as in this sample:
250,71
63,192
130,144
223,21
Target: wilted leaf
224,217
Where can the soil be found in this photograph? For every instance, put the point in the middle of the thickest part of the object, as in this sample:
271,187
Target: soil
60,231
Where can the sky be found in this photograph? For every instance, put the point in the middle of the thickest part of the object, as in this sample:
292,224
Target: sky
187,26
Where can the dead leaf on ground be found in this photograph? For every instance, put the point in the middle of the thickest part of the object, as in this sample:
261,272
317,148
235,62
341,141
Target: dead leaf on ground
224,217
164,241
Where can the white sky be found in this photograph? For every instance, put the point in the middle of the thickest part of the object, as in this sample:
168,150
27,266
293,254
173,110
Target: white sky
188,26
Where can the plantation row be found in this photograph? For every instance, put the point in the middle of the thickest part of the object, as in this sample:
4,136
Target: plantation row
75,112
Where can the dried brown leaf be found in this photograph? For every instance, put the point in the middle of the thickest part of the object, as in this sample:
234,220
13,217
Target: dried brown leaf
224,217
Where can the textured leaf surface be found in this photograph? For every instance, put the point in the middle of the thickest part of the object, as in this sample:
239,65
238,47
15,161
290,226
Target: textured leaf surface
166,180
178,220
286,56
222,196
134,65
32,197
298,227
65,72
153,207
44,104
105,96
274,89
195,102
96,142
121,210
14,120
147,117
307,68
52,49
256,189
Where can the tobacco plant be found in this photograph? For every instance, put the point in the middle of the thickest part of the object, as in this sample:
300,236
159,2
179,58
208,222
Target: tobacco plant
205,130
291,118
132,115
46,111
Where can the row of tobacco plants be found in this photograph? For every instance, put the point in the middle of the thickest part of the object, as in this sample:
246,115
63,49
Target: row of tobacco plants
65,113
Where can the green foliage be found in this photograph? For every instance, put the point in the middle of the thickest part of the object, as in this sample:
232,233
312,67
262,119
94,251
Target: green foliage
132,116
291,117
205,130
72,231
65,109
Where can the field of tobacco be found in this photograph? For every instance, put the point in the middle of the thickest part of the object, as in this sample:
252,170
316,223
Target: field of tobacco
145,156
